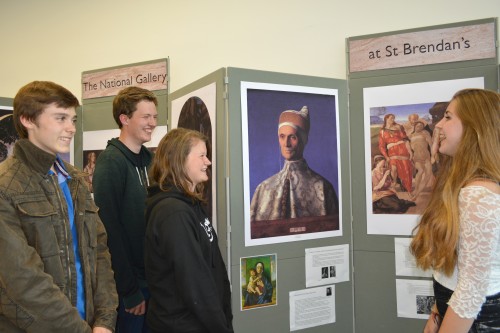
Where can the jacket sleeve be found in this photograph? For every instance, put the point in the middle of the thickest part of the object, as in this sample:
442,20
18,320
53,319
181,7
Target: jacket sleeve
29,298
178,237
109,186
105,297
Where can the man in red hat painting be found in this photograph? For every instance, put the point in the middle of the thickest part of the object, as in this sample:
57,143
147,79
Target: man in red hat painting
296,190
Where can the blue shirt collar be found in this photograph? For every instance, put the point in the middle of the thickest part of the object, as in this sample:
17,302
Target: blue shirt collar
62,173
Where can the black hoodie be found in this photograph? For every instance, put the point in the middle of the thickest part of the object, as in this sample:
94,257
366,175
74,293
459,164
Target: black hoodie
186,275
120,188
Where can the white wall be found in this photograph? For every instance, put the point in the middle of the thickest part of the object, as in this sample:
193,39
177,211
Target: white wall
57,40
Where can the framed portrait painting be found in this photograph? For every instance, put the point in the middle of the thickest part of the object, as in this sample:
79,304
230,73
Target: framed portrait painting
291,162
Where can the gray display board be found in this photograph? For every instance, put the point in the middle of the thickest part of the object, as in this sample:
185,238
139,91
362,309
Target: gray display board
4,101
374,255
290,255
230,201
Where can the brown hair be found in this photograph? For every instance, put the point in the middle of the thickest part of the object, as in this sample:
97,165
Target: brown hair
436,235
387,117
32,99
168,167
125,102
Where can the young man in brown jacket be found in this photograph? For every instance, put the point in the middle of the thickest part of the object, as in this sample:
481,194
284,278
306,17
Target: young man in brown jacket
55,267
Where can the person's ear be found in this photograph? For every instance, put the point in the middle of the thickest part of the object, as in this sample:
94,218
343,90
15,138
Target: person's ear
28,123
124,119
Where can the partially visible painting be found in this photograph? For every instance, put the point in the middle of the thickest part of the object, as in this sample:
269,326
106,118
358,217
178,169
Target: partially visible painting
400,164
197,111
8,134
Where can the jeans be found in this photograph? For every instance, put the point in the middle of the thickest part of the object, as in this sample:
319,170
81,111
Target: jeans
130,323
488,319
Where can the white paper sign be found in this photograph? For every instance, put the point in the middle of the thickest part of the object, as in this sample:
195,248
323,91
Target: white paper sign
326,265
312,307
405,261
415,298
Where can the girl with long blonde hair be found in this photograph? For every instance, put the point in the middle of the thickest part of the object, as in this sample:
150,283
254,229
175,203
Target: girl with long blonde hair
458,235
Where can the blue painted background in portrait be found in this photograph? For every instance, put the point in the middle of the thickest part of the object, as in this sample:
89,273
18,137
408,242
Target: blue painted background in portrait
263,110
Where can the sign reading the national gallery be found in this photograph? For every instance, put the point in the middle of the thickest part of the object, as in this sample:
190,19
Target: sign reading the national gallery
470,42
108,82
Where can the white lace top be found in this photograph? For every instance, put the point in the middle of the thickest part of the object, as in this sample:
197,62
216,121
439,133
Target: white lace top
477,274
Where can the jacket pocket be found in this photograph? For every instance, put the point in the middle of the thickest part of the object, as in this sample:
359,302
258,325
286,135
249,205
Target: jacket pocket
44,232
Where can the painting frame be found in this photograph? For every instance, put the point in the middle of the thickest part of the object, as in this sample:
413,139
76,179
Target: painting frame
270,272
261,106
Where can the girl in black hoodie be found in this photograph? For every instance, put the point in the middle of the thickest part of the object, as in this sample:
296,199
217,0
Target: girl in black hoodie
185,272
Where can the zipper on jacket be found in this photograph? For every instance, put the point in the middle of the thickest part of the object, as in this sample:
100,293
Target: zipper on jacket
143,177
68,261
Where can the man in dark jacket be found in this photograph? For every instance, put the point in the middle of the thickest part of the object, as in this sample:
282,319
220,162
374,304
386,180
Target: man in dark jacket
55,268
120,186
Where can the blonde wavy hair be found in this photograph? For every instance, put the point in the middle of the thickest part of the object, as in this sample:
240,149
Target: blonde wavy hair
436,236
169,164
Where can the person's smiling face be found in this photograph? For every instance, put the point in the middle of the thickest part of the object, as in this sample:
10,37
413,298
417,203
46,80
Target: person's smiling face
141,124
450,130
197,163
53,129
